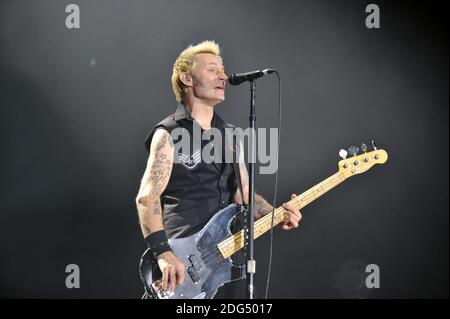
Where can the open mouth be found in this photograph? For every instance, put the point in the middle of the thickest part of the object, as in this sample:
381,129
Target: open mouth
221,88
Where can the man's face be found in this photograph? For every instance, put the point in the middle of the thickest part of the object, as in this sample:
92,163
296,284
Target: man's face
208,78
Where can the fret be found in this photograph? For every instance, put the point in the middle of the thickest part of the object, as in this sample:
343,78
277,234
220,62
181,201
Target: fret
347,168
236,242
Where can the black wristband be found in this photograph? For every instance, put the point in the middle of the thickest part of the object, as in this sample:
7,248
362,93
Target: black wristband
158,243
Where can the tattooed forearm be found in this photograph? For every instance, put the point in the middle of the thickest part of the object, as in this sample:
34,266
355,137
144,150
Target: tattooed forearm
261,207
145,230
244,175
154,182
157,207
244,183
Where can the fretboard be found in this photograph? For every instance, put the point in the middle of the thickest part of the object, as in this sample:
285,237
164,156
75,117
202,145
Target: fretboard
236,242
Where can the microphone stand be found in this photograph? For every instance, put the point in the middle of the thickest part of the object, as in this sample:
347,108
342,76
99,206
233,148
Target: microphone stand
251,263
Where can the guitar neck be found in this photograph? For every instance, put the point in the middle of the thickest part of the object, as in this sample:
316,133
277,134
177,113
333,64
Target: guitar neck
236,242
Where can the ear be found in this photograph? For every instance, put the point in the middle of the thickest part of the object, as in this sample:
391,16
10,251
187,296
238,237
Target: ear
186,79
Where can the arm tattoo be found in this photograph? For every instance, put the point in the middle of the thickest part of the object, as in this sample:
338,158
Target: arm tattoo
159,173
145,230
164,139
244,184
157,207
161,143
144,221
161,167
244,175
261,207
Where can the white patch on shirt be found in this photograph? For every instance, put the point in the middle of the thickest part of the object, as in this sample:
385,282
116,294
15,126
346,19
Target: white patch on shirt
189,161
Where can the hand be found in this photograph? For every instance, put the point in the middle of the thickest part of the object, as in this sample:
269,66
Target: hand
294,216
172,269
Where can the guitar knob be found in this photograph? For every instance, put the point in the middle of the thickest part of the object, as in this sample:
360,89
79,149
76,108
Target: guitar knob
364,147
374,145
343,153
353,150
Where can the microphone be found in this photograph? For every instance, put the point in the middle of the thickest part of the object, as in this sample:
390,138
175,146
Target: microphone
238,78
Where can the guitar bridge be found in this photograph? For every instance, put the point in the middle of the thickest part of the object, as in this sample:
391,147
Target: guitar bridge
193,273
160,291
195,262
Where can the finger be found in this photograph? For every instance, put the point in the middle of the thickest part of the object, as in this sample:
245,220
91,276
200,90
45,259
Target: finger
288,207
291,210
296,213
165,277
286,227
293,196
293,221
180,275
172,279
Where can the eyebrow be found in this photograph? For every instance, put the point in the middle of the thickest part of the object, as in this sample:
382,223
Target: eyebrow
215,64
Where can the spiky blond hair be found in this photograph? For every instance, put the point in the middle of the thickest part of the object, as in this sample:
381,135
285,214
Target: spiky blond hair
185,61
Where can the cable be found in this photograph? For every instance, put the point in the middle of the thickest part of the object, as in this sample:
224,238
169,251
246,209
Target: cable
275,188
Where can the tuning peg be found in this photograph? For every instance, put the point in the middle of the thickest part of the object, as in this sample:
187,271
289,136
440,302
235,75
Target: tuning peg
343,153
364,147
374,145
353,150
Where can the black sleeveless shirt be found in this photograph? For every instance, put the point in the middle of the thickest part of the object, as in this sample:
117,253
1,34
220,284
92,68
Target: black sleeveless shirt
196,190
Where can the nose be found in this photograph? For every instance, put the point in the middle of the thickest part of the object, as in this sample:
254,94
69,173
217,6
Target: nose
223,76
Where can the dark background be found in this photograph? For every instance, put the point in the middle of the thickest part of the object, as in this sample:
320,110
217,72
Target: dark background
77,104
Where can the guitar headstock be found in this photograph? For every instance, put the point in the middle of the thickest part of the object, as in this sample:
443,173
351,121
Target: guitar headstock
358,164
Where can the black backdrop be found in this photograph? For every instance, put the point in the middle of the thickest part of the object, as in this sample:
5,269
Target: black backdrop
76,105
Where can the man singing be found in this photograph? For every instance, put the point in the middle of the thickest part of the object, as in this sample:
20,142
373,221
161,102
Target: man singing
180,192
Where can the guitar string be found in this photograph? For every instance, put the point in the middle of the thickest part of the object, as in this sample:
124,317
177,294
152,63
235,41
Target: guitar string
334,179
305,197
238,236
